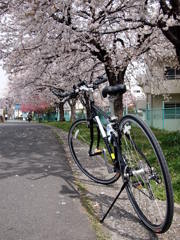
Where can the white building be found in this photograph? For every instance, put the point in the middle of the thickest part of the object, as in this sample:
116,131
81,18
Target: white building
163,100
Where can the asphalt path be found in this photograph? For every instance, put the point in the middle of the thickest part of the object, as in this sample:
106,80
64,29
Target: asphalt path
38,200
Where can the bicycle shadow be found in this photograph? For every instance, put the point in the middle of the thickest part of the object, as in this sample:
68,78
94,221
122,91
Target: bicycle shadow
121,221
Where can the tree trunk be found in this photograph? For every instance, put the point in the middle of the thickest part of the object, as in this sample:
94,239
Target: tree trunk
87,105
173,32
118,106
73,110
113,80
61,108
115,75
173,35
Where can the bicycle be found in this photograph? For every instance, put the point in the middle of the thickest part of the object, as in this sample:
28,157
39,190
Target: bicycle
105,149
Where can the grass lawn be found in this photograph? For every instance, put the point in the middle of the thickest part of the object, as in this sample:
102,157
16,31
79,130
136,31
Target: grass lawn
63,125
170,143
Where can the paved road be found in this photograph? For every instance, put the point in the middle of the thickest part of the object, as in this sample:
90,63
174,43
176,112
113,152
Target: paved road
37,200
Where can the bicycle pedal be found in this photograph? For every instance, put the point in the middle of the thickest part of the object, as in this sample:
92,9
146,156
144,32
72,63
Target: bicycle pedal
96,152
138,185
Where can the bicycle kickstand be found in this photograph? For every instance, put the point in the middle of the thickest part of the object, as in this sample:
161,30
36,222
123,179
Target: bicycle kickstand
115,199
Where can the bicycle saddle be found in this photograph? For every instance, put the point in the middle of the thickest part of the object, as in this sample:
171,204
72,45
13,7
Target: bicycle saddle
113,90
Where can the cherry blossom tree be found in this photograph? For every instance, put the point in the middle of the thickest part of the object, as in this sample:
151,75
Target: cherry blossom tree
58,43
165,15
170,23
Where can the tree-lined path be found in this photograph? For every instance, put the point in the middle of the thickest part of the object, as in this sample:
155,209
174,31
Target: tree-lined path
37,200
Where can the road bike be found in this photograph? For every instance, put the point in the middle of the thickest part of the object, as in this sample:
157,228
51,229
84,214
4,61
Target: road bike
105,149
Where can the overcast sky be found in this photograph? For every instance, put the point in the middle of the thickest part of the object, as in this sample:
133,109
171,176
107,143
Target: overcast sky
3,83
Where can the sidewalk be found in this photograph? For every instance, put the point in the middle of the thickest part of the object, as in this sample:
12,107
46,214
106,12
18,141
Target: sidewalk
122,222
38,200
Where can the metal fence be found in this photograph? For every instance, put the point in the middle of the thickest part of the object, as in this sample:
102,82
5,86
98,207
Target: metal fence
163,118
48,117
55,116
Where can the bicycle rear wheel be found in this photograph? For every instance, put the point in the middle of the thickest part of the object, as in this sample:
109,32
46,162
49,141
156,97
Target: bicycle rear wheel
95,165
149,185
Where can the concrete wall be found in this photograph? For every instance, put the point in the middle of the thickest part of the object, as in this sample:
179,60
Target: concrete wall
172,86
172,124
155,116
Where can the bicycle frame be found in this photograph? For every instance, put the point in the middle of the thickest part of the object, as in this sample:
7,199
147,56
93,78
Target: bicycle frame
115,135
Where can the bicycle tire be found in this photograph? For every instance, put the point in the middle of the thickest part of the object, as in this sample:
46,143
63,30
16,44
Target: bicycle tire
143,153
94,167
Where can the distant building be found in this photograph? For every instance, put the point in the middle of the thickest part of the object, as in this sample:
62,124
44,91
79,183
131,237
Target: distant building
163,101
18,114
1,112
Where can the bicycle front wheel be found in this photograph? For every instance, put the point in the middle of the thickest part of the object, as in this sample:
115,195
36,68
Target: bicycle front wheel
96,163
149,185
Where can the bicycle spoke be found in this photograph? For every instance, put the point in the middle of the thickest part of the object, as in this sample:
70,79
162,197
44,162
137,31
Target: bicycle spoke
146,186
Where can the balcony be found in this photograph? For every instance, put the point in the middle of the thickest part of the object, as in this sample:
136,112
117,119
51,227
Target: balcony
172,80
171,84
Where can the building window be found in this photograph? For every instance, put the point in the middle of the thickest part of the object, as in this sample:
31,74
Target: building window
172,110
172,73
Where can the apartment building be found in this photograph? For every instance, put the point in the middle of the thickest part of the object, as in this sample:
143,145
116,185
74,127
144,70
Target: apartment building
163,101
